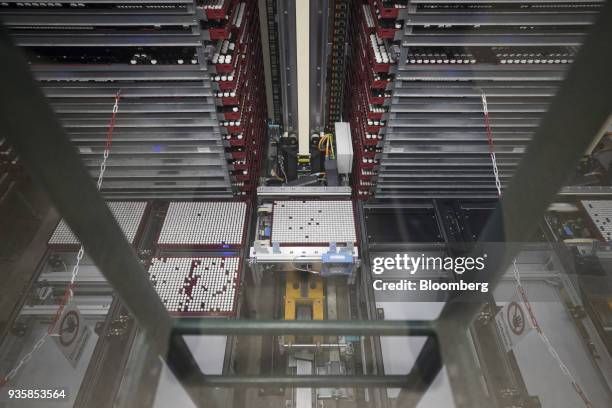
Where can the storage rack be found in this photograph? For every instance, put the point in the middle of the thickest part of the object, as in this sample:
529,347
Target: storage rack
417,117
167,142
238,85
337,67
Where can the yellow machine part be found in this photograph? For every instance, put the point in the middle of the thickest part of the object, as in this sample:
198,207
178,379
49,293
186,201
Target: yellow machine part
299,291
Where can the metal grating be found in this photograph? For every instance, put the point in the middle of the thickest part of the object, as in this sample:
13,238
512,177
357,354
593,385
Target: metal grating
129,216
313,222
209,224
197,286
600,212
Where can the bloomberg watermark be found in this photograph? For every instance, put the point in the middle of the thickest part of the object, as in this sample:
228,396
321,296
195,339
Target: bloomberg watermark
411,264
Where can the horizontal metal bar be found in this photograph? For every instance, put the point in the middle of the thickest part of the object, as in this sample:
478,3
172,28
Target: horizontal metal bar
203,326
140,185
119,72
165,106
405,89
522,18
454,136
271,191
586,190
99,19
306,381
483,40
129,2
51,310
169,195
411,106
108,40
128,90
501,1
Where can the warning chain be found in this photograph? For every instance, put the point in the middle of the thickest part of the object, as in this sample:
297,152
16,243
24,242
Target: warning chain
69,293
521,290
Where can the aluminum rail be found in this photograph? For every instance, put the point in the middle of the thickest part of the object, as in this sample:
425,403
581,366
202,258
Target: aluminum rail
130,2
309,381
96,19
501,1
479,40
501,18
108,40
194,326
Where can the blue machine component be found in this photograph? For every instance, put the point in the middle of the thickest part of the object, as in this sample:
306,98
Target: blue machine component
267,232
337,261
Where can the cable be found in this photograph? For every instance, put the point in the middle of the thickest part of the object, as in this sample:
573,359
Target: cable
281,161
302,269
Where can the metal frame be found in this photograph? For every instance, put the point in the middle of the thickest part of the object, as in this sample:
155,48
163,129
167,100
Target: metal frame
545,166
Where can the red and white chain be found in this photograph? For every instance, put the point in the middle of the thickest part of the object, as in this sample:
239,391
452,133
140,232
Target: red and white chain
485,111
551,350
69,293
517,276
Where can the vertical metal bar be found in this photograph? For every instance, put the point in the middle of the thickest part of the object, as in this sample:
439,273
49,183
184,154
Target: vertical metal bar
33,130
578,113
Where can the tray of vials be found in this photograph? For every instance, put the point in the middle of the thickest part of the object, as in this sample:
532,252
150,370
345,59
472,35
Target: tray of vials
310,222
129,216
203,286
205,224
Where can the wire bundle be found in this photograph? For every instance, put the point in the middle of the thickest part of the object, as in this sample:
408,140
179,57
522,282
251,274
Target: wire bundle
326,144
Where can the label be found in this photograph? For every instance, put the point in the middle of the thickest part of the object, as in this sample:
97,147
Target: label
513,323
71,334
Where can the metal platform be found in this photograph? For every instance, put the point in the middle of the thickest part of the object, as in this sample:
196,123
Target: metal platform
129,216
197,286
313,222
207,224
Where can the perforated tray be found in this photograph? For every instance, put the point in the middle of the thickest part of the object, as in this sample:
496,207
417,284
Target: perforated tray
209,224
197,286
129,216
313,222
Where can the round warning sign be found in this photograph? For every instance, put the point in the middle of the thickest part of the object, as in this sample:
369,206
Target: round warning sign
69,328
516,318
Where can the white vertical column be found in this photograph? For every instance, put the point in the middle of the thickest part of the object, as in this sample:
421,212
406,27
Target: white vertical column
302,35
